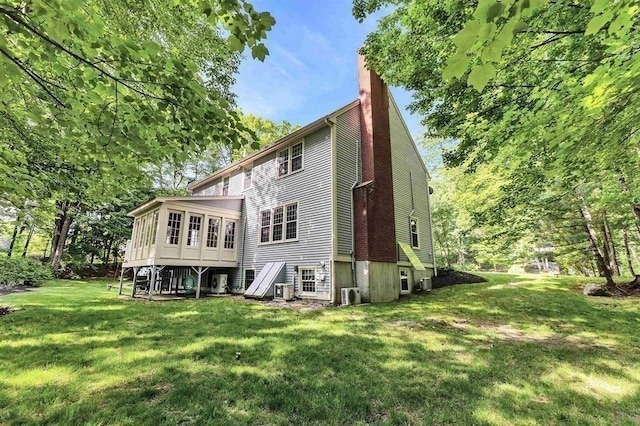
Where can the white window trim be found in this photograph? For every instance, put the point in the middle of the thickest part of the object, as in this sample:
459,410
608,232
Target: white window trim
228,180
418,247
244,178
244,277
284,224
315,278
205,235
224,235
408,271
198,235
180,233
288,149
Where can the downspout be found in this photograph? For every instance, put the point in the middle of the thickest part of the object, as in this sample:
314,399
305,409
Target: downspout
353,234
331,125
244,239
353,220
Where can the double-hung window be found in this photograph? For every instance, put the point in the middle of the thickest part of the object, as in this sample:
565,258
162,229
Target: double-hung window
279,224
413,228
225,186
307,278
289,160
246,182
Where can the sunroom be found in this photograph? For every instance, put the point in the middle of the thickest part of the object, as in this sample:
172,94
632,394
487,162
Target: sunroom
172,235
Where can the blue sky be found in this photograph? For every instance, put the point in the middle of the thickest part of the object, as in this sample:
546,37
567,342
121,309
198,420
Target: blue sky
311,69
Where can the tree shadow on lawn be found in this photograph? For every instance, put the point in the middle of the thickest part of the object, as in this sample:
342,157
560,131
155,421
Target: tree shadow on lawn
322,378
108,361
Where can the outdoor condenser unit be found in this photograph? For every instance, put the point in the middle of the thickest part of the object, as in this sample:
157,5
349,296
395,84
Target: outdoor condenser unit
351,296
283,291
219,283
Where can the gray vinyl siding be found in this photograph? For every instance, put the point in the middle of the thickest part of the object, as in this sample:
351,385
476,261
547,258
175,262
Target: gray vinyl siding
347,172
311,188
408,173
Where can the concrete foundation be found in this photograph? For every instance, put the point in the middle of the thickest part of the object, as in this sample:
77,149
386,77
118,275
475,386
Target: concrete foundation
378,281
422,279
343,278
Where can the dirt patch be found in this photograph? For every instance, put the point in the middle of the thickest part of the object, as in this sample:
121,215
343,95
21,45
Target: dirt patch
297,305
447,277
15,289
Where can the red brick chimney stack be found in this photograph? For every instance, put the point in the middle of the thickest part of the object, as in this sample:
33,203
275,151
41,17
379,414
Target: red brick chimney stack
374,212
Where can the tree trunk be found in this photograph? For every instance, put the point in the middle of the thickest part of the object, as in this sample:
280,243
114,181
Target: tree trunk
62,208
603,268
610,246
93,256
107,252
627,251
58,249
14,237
26,243
634,206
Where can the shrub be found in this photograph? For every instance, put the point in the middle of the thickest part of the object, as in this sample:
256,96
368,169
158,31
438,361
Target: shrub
20,270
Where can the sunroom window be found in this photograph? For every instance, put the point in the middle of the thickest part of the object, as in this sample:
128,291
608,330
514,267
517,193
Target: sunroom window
212,232
230,235
193,234
173,228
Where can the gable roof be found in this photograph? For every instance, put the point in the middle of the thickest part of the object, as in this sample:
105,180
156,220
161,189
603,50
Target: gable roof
303,131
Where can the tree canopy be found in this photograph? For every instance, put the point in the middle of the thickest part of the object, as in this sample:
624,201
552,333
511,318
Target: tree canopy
539,99
96,91
99,85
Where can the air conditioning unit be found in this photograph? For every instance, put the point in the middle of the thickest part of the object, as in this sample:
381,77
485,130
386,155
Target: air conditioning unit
219,283
351,296
283,291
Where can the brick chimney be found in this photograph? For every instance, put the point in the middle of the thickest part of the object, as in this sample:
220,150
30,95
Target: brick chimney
374,212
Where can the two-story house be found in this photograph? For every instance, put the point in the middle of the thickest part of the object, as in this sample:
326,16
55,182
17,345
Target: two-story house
342,202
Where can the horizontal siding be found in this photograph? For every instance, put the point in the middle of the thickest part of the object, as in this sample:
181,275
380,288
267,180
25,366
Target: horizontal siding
347,170
311,188
408,174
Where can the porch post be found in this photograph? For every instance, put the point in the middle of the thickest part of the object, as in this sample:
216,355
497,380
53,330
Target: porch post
121,279
199,272
135,278
152,282
160,268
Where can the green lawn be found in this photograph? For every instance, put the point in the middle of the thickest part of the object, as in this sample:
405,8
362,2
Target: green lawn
517,350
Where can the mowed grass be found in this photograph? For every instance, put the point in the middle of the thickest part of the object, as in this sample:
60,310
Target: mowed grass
516,350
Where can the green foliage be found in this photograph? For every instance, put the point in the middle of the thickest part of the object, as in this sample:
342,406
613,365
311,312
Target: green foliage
541,98
20,270
90,87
